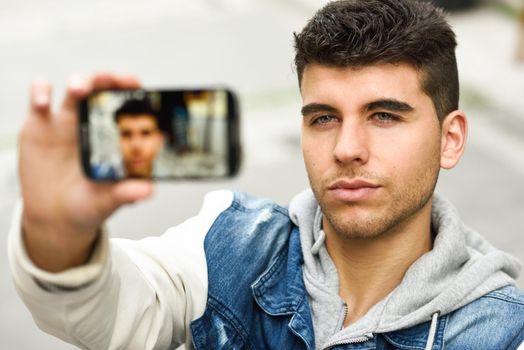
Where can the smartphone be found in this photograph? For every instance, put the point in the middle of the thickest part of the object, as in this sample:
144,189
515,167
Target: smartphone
159,134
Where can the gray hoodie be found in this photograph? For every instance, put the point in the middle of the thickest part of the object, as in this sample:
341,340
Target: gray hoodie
461,267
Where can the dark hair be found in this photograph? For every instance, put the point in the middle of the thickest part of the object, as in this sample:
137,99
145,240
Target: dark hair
357,33
135,107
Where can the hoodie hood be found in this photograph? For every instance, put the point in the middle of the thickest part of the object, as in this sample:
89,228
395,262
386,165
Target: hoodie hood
461,267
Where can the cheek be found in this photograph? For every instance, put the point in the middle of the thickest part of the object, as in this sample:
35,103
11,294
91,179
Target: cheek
318,163
417,158
311,152
123,146
405,155
153,145
148,147
309,162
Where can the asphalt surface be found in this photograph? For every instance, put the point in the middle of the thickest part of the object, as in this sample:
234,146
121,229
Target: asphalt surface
246,45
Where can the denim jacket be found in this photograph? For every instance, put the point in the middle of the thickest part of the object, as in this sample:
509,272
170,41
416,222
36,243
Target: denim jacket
257,298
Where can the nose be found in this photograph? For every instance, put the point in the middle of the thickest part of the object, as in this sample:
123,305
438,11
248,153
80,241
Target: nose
136,143
351,144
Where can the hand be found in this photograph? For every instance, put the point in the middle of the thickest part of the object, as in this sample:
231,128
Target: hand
63,210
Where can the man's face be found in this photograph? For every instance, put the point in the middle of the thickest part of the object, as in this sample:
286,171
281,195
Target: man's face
371,143
140,140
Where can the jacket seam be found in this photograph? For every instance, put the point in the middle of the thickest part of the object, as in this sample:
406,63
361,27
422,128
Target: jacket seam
236,204
504,297
260,289
420,344
294,331
215,304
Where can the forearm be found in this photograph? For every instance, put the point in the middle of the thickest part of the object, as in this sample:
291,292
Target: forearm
55,299
107,303
130,294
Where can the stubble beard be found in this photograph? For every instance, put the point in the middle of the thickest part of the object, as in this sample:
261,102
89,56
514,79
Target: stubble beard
402,204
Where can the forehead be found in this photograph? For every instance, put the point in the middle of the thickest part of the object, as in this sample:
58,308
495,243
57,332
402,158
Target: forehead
361,85
137,121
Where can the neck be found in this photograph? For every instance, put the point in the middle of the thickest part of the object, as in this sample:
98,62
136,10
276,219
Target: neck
370,268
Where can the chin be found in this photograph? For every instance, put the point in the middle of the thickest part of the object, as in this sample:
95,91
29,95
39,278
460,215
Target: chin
359,232
358,227
357,221
138,174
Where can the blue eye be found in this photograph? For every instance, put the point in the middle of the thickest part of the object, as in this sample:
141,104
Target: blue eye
323,119
385,118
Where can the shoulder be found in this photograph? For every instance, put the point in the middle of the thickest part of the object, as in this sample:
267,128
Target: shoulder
249,216
250,228
245,202
495,319
499,304
509,296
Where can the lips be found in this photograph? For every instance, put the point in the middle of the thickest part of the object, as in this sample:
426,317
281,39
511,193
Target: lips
137,162
352,190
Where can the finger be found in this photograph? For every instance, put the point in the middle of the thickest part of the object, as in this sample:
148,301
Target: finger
128,81
106,80
41,97
130,191
78,87
110,197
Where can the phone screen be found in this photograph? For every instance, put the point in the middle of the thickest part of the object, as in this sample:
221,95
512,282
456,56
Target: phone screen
166,134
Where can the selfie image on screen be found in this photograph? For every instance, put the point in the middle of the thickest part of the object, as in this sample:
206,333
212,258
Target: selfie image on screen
168,134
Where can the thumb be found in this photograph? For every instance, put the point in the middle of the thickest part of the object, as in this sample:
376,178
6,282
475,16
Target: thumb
130,191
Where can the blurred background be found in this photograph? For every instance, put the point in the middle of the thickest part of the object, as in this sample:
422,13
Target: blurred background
247,45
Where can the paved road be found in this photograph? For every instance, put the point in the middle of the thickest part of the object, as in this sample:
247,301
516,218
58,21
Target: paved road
248,46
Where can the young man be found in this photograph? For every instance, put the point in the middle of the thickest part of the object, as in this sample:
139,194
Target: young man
139,142
140,138
370,258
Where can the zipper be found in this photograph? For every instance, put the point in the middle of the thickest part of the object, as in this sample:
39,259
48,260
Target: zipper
346,310
362,339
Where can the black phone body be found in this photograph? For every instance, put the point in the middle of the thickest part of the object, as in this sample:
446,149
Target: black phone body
160,134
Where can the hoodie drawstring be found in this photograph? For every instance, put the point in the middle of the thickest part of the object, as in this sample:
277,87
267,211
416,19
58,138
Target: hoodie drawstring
432,331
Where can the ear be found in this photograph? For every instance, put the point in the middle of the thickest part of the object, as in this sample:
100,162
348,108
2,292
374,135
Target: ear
454,133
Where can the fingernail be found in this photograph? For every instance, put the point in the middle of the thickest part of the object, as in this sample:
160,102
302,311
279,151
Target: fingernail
40,92
41,99
77,82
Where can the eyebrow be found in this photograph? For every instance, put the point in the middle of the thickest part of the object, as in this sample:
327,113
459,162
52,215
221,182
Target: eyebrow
317,107
389,104
386,103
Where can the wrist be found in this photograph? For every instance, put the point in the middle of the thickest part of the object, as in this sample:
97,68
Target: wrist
55,248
